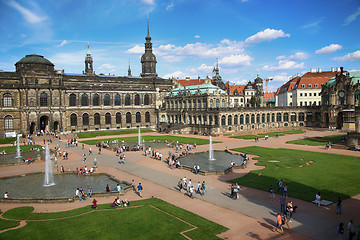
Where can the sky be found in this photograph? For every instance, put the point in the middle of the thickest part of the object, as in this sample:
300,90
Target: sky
276,39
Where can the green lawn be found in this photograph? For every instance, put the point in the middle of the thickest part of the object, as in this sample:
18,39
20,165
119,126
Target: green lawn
7,140
161,138
270,134
319,141
5,224
331,174
142,222
109,133
22,147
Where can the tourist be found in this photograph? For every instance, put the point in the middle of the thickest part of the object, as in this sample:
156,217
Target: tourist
318,198
340,231
203,188
140,188
351,229
272,195
280,185
126,203
189,185
115,203
94,204
191,192
84,158
107,188
90,152
180,184
289,210
90,192
77,193
6,195
99,150
184,183
338,206
285,190
282,203
82,146
278,223
199,188
118,188
133,185
232,191
82,194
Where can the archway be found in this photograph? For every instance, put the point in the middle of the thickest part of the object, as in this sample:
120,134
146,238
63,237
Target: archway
44,121
56,126
339,120
32,127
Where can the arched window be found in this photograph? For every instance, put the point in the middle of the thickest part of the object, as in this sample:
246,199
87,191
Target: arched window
211,103
138,117
326,98
286,117
263,117
147,117
137,99
43,99
223,103
73,119
84,100
163,118
107,99
96,119
199,103
247,119
107,118
229,120
301,117
189,104
127,100
96,99
217,103
128,117
117,99
252,118
273,117
85,118
194,103
278,117
118,118
236,93
146,99
223,120
241,119
236,120
204,103
9,122
293,117
257,118
72,100
7,100
268,117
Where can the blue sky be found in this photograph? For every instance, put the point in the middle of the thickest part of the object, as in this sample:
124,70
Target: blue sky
274,38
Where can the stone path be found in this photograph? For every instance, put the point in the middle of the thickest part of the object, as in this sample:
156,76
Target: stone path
252,216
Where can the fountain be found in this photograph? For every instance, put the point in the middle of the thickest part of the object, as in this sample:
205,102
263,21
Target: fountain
211,151
139,138
49,177
18,153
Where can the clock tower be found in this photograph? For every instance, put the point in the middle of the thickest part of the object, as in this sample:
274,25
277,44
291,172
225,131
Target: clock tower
148,59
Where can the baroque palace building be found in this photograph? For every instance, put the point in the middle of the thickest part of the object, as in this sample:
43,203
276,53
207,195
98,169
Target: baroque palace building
37,97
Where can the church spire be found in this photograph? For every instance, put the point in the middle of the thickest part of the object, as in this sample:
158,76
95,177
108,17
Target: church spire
129,69
89,63
148,59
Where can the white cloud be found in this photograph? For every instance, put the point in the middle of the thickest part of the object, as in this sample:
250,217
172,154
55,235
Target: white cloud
170,7
28,15
236,60
329,49
299,56
284,64
313,24
197,36
63,43
148,2
172,58
266,35
352,17
107,68
202,70
177,74
73,58
281,57
349,57
238,81
281,77
137,49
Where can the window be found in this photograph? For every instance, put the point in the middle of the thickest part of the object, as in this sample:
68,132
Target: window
117,100
8,120
107,100
211,103
84,100
252,118
305,94
127,100
268,117
217,103
146,99
263,117
96,99
118,118
199,103
137,99
293,117
314,94
223,103
241,119
43,99
73,119
223,120
72,100
309,85
302,85
247,119
301,103
85,118
96,119
7,100
305,103
258,118
138,117
236,120
128,117
278,117
273,117
229,120
189,104
107,118
300,94
286,117
316,85
309,103
309,94
147,117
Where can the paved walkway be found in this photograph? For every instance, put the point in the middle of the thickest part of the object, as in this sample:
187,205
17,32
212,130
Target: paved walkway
250,217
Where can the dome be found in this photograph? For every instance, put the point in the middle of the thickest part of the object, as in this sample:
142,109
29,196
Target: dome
34,59
258,79
148,56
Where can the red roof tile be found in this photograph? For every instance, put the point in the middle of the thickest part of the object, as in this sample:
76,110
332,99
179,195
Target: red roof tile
269,95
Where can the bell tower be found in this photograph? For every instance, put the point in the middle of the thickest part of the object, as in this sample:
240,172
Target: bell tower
89,63
148,59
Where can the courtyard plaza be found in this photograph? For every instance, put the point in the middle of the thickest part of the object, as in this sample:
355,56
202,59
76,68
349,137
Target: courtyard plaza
251,217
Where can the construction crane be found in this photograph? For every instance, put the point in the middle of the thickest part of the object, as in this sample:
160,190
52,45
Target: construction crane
267,80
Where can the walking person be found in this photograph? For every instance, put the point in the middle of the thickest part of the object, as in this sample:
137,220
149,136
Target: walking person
272,195
203,188
351,229
282,203
340,231
338,206
318,198
278,223
191,192
140,188
280,185
90,152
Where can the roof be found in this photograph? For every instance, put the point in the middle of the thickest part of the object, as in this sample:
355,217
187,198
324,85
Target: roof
190,82
202,89
355,78
233,88
288,86
34,59
311,83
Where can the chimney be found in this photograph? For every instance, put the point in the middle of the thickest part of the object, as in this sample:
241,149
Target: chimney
187,78
338,69
333,69
319,70
313,70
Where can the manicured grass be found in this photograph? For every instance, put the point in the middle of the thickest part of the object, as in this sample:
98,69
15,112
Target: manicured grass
22,147
142,222
319,141
161,138
109,133
331,174
5,224
270,134
7,140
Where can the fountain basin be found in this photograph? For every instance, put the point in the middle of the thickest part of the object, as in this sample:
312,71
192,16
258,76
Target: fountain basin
219,166
29,187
